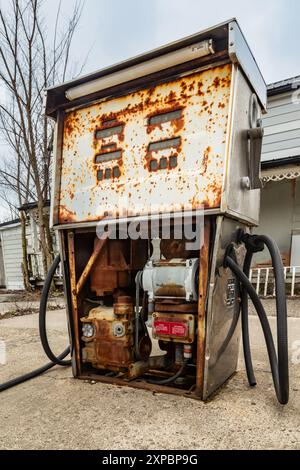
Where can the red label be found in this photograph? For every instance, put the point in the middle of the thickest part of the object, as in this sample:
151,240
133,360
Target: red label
165,328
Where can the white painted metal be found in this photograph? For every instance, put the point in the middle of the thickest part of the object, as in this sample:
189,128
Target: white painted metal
196,180
173,279
266,282
258,281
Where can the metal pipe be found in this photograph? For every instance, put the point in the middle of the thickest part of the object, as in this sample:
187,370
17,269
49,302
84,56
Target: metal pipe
203,279
100,243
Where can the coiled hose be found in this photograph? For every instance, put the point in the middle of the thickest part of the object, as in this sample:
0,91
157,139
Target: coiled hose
279,365
55,360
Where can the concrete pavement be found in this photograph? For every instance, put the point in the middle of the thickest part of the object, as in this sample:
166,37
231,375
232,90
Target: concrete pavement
56,411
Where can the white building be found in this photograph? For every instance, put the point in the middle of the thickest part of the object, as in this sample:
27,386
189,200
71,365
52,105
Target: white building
280,201
11,258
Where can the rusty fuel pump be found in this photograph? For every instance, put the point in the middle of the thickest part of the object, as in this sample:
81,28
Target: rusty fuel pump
156,187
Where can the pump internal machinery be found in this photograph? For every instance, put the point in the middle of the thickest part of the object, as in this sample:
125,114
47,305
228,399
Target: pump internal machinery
154,309
156,189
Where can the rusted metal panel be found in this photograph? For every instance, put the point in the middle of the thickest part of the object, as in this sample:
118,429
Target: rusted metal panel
203,289
74,299
105,350
141,385
99,246
155,150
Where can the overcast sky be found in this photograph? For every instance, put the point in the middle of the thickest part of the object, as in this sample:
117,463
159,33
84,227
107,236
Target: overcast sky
114,30
119,29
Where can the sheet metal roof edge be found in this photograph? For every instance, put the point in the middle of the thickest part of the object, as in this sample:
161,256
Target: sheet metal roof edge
56,95
276,162
283,86
10,224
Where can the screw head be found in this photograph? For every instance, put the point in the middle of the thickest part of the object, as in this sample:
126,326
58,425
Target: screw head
245,182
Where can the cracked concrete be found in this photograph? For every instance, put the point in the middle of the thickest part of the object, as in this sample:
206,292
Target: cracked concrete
56,411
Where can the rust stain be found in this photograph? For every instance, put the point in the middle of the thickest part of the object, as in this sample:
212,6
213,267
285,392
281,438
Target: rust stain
66,216
216,82
171,290
205,160
189,173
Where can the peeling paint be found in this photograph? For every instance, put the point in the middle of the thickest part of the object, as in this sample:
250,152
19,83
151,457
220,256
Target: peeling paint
188,175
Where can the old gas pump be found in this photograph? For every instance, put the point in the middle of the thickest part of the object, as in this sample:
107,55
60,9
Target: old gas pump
156,188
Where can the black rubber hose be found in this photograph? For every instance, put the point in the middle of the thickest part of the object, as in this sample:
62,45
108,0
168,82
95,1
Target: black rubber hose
42,318
282,327
172,379
279,370
30,375
59,359
245,323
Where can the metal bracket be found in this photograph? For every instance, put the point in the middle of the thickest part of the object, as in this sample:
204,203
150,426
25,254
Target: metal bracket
255,137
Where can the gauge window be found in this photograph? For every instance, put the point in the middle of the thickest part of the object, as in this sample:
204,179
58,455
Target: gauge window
154,165
108,173
108,156
173,161
164,144
163,164
109,132
165,117
116,172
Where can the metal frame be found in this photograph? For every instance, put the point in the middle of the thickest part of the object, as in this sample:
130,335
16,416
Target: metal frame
249,216
71,291
240,53
218,315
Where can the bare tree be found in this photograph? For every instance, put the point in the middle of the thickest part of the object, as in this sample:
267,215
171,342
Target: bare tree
31,61
15,180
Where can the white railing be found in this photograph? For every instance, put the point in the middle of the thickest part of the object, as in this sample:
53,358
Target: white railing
263,281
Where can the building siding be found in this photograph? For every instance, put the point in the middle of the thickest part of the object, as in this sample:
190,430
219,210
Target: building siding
2,272
277,217
12,255
11,244
282,128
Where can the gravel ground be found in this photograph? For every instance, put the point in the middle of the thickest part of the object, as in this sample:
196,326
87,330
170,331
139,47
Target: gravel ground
56,411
